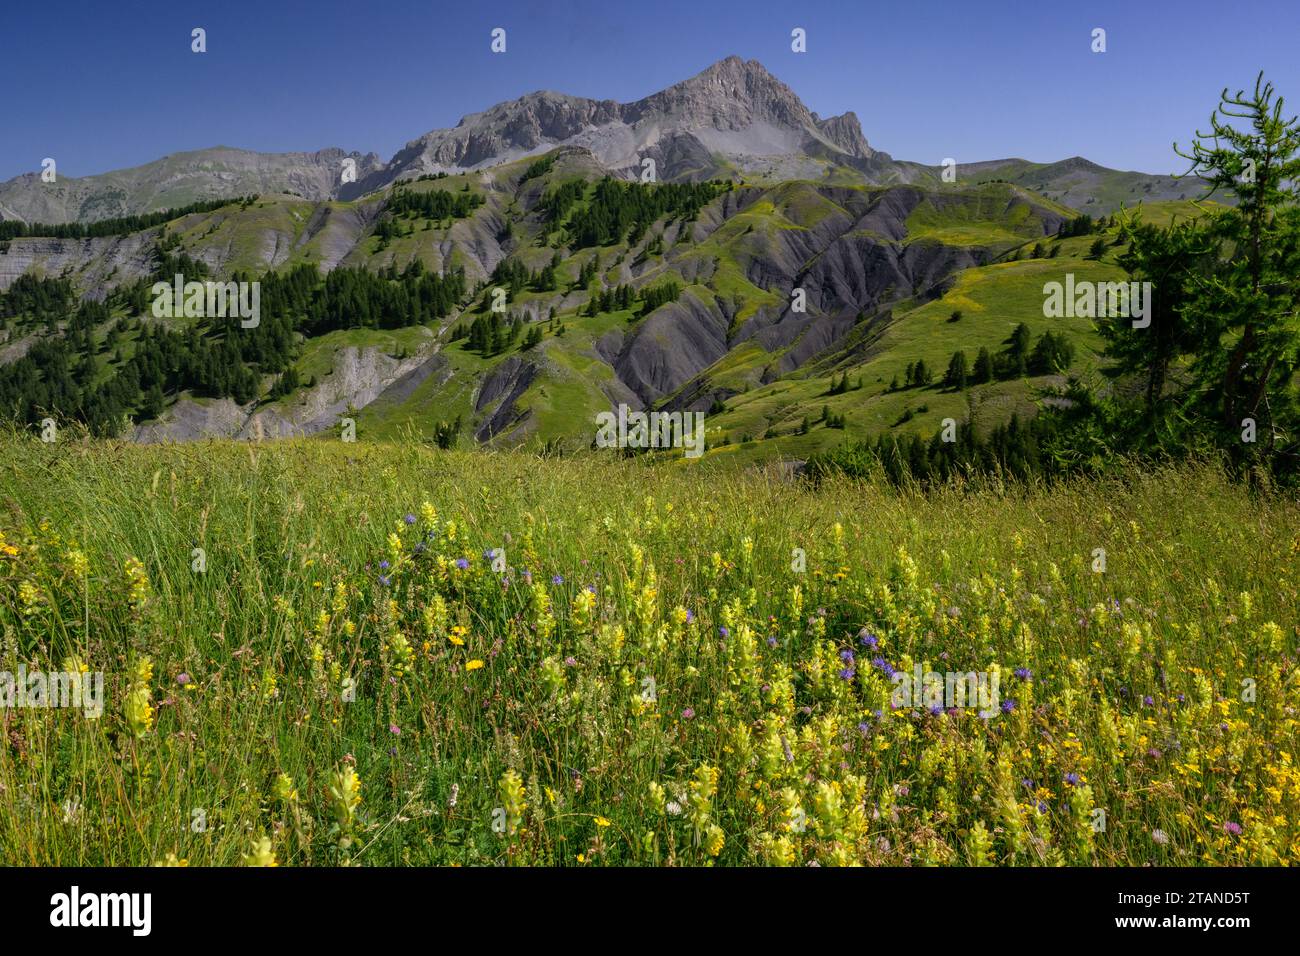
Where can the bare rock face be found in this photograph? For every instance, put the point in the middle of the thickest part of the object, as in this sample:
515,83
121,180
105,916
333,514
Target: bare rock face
504,386
735,110
358,377
92,261
845,132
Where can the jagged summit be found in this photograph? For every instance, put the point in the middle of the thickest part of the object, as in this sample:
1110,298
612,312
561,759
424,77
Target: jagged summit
732,119
734,112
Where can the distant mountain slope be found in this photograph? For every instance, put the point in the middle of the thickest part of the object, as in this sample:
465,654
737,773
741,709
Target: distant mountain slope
1087,187
863,256
178,180
732,120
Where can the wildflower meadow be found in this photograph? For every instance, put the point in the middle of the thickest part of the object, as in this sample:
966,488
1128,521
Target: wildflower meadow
325,654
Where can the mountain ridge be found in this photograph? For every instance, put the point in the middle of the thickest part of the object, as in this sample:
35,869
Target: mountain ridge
734,119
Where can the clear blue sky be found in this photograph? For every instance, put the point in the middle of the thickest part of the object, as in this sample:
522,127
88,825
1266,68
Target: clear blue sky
103,85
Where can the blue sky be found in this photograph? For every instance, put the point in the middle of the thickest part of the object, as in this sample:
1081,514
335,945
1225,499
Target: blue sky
100,86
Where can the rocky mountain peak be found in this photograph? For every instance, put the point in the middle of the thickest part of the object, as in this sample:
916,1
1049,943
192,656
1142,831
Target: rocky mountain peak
731,94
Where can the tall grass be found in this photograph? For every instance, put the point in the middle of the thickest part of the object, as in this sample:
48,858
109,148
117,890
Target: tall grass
659,684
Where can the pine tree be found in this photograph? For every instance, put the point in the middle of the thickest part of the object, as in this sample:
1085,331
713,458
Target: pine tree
955,377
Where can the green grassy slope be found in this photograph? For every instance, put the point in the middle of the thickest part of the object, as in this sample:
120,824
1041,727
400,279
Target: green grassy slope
706,702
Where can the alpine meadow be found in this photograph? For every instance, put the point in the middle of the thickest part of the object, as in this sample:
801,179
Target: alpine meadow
673,482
